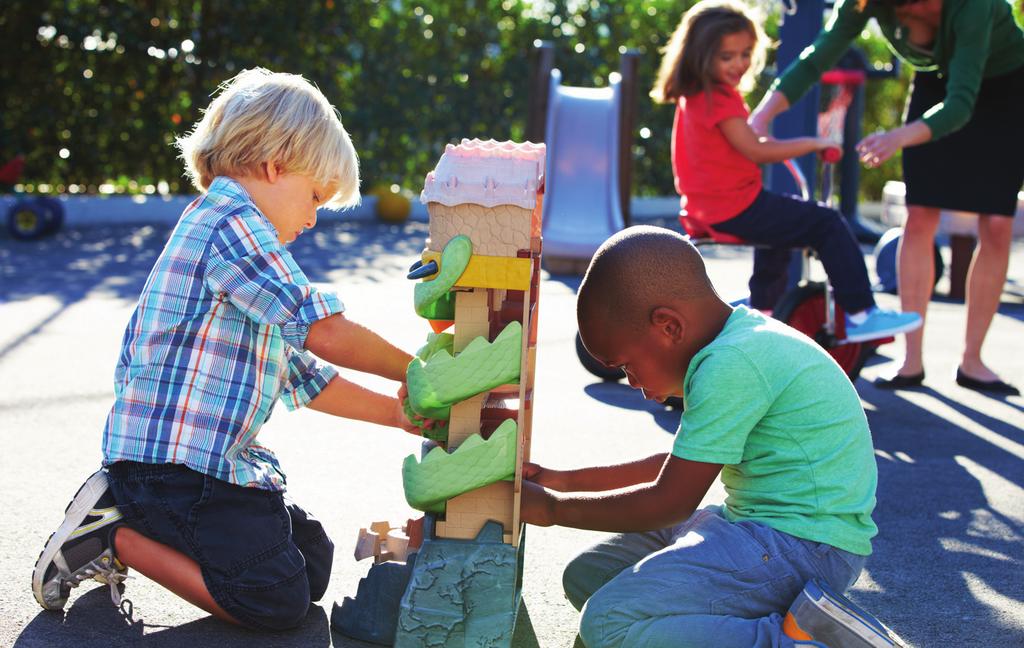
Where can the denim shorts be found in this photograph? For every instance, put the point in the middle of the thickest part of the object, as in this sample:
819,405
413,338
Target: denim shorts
262,557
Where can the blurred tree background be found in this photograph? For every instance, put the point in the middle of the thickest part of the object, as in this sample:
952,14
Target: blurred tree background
95,91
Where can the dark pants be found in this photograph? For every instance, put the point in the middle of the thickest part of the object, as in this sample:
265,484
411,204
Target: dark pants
784,222
263,558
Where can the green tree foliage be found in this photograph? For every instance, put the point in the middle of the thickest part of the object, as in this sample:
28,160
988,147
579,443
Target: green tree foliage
95,91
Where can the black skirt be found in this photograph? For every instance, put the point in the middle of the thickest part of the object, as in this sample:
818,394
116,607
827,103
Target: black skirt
979,168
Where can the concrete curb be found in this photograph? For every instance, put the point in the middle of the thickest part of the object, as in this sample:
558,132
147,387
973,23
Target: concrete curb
98,211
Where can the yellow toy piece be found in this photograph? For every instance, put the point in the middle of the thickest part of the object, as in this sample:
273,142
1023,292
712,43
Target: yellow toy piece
393,207
506,273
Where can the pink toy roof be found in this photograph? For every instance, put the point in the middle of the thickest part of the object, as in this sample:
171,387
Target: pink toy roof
487,173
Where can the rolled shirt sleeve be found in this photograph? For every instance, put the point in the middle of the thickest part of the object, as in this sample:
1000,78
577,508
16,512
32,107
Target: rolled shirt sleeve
306,379
258,276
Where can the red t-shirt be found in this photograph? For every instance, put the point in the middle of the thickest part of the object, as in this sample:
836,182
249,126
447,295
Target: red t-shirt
714,180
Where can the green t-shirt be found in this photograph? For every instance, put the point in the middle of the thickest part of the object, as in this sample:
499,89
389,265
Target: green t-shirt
783,418
976,39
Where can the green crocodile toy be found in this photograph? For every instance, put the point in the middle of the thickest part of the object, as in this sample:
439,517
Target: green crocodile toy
440,380
474,464
432,298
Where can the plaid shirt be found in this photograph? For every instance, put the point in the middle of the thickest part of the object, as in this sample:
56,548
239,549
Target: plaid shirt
216,338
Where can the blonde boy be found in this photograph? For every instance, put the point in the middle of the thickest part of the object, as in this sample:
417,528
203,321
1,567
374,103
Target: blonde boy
227,323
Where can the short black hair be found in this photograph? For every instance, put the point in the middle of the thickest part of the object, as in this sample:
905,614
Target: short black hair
635,271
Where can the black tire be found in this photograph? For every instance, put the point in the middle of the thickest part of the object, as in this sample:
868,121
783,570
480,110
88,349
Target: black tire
674,402
27,220
803,308
593,366
53,213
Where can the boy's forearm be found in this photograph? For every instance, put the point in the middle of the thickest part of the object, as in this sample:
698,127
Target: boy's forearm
672,497
346,399
631,509
605,478
345,343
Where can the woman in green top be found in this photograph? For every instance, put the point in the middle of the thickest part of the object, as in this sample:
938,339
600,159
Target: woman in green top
963,139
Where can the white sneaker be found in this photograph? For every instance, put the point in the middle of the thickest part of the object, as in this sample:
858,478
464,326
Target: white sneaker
81,548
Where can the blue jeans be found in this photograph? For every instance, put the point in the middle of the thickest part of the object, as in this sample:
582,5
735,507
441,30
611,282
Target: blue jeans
705,582
786,222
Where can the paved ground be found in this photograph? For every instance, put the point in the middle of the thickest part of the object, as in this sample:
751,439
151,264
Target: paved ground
947,565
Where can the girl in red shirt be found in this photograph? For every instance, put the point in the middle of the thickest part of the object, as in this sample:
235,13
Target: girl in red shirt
716,49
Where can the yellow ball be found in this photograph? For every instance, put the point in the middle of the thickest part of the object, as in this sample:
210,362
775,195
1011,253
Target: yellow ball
393,207
379,189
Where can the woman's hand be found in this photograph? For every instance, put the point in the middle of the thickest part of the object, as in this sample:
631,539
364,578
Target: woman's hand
879,147
760,123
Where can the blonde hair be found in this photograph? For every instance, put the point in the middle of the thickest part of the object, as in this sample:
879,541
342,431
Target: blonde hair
688,59
260,116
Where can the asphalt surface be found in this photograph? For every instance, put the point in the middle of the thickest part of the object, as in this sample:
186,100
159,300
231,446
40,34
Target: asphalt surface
947,566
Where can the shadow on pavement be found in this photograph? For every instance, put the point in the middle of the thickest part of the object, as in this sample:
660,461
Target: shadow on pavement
94,621
950,535
524,635
116,261
619,395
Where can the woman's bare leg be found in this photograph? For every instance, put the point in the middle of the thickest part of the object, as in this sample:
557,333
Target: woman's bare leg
916,278
168,567
985,281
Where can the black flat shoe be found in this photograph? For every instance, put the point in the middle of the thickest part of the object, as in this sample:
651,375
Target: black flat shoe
990,386
900,382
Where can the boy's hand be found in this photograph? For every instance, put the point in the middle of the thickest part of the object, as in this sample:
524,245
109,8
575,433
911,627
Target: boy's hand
401,421
553,479
537,505
415,425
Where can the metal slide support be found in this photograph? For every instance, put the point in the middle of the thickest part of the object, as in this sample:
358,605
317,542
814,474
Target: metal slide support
628,66
798,31
801,120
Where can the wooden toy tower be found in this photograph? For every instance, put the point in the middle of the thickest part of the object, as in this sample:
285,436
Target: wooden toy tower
481,269
492,192
465,586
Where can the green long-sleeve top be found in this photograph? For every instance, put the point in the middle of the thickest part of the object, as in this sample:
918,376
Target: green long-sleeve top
976,39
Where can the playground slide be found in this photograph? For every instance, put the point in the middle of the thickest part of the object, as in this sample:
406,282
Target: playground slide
581,195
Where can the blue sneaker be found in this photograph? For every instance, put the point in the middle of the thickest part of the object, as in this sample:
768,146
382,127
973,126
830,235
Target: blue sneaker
881,324
819,616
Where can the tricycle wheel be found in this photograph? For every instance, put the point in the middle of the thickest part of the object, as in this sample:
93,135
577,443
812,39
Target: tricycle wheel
591,364
53,213
27,220
803,308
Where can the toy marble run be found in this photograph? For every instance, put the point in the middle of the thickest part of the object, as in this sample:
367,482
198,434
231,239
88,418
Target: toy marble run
460,581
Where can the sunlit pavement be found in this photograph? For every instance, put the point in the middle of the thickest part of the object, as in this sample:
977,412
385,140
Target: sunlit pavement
947,564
